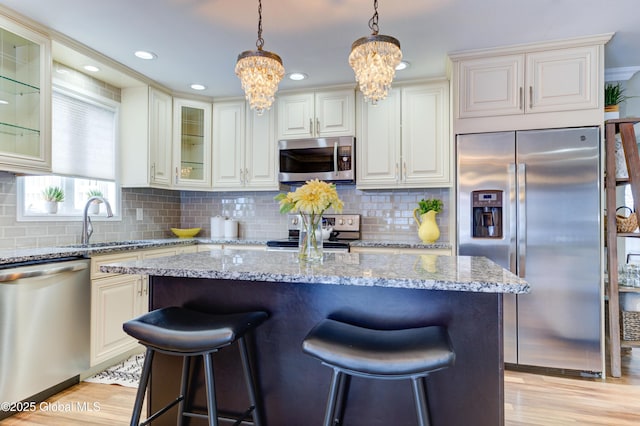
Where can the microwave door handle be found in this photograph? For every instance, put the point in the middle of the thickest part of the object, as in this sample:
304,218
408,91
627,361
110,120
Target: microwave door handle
335,158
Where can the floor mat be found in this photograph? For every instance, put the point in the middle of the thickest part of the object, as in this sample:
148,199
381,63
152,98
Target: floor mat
126,373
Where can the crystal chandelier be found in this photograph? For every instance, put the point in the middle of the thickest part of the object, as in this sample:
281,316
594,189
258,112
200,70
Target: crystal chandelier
260,72
374,60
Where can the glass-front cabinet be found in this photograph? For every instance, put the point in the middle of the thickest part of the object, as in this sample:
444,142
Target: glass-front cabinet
192,143
25,99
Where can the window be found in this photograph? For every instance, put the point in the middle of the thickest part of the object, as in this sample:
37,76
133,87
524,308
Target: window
84,141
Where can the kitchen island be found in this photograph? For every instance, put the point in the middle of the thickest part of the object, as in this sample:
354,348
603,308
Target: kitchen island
372,290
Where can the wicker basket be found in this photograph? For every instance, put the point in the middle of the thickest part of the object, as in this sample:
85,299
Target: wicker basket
626,223
630,325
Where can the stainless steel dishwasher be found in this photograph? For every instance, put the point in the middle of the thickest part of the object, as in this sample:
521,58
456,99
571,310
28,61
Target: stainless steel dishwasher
44,328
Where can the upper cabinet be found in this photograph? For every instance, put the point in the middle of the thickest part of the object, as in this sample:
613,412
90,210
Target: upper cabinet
318,114
556,80
191,144
146,137
404,142
244,148
557,77
25,99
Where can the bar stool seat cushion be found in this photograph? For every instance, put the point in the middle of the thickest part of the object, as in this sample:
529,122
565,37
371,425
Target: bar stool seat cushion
187,331
380,352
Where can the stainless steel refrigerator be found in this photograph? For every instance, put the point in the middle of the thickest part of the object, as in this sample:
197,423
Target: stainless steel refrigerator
530,201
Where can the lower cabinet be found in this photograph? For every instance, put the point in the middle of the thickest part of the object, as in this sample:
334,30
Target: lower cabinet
116,298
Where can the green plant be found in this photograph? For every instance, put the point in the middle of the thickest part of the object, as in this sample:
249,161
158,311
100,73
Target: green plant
430,204
613,94
95,193
53,193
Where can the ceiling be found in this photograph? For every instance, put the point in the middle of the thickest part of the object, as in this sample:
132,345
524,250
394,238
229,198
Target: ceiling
197,41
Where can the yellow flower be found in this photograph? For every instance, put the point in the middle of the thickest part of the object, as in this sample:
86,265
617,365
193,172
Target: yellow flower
314,197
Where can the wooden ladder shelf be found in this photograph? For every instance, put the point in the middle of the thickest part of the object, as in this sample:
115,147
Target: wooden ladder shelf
623,126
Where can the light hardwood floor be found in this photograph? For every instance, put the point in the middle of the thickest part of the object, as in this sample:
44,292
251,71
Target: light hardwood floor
530,399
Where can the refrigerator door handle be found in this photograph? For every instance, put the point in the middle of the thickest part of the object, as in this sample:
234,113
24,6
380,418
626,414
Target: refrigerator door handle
512,218
522,220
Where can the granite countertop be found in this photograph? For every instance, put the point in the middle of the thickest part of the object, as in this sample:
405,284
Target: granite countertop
428,272
9,256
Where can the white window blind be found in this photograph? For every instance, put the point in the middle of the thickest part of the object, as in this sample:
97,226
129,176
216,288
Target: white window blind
83,138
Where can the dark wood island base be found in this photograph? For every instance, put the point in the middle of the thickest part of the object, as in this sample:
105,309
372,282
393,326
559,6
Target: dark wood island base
294,386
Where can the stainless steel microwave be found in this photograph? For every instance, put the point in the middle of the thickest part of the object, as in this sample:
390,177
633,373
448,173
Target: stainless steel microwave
330,159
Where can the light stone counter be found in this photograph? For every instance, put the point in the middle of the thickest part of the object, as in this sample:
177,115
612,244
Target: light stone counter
427,272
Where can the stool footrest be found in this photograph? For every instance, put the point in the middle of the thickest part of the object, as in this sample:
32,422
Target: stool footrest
162,411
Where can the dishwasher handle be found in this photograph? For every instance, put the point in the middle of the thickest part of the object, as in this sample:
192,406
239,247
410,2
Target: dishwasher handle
17,274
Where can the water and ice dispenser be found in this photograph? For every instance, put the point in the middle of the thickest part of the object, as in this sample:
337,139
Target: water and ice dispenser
486,208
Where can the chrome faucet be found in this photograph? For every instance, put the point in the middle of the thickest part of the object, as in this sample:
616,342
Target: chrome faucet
87,228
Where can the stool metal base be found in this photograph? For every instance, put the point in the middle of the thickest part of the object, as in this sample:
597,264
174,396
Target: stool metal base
212,409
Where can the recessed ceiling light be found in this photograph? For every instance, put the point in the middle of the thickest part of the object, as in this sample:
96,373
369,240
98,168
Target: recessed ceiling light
91,68
402,65
297,76
198,87
143,54
3,102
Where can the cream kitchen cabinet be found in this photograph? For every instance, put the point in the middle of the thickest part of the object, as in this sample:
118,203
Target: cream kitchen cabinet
191,144
546,81
244,148
318,114
25,89
117,298
146,137
404,141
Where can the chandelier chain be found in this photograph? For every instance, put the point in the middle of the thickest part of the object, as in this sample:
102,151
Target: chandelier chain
260,41
373,22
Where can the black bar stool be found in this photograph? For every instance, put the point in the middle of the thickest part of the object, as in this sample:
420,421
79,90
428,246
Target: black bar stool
379,354
187,333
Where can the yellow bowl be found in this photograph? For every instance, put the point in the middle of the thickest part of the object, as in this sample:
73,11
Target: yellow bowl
186,233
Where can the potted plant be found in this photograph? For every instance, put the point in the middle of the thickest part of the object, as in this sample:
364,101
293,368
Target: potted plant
52,195
613,96
94,208
428,230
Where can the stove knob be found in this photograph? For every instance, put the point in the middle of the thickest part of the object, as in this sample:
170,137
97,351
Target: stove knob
350,222
340,221
294,221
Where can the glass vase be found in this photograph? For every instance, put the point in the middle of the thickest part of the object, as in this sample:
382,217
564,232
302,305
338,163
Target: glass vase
310,242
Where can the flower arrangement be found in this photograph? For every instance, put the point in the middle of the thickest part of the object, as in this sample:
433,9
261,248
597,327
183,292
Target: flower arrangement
430,204
311,200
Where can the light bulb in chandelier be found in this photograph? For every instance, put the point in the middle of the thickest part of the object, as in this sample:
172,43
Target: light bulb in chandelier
374,60
260,73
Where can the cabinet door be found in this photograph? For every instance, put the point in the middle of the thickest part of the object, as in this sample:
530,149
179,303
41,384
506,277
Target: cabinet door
335,113
261,151
563,79
491,86
25,119
378,149
192,143
228,144
114,300
426,151
160,141
296,117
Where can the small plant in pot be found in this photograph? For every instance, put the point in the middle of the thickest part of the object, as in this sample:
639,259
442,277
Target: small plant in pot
94,208
613,97
425,217
52,195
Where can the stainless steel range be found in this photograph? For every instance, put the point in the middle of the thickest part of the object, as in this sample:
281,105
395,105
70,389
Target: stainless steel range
345,228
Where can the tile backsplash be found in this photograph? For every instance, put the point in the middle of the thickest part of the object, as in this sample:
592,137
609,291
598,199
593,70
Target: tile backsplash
386,215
